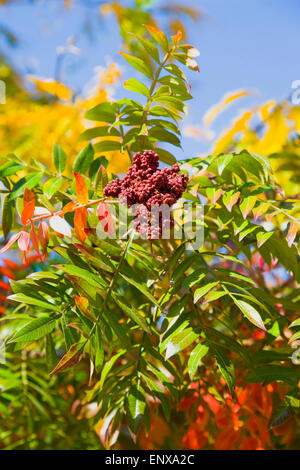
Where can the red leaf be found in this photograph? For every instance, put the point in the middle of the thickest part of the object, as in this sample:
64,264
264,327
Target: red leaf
34,239
4,286
24,241
105,218
81,189
43,233
10,242
80,221
7,272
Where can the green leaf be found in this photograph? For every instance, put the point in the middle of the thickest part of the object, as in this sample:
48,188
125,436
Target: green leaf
30,181
222,162
226,367
149,46
162,135
181,341
294,337
273,373
138,64
51,357
251,313
10,168
136,405
34,330
295,323
101,181
136,86
83,159
105,112
195,357
203,290
101,131
109,365
92,279
166,157
52,186
158,36
131,312
262,237
99,351
173,69
107,146
133,278
247,205
25,299
158,110
59,158
7,216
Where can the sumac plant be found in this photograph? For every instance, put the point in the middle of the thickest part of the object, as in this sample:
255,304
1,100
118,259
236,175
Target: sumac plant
133,330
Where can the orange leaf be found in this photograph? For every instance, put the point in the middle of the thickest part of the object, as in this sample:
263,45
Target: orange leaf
83,304
69,207
28,206
176,38
11,264
4,286
7,272
81,189
80,220
27,212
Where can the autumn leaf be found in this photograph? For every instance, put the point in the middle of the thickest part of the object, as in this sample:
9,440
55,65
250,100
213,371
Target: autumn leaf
43,234
81,189
48,85
28,206
80,221
292,232
225,101
24,241
34,239
69,207
105,218
70,358
10,242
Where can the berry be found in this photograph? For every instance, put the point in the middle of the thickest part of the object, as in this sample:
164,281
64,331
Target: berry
146,184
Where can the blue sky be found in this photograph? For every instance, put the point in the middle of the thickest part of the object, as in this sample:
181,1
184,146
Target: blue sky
252,44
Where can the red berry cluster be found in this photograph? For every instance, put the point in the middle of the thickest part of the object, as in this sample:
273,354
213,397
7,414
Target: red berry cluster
148,185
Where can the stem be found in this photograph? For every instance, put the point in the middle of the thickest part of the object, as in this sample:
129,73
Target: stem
61,212
152,88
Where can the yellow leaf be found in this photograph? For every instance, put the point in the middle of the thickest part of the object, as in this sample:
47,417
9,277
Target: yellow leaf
225,101
47,85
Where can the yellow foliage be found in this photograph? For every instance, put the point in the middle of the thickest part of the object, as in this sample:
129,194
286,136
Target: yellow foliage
225,101
50,86
30,127
273,135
